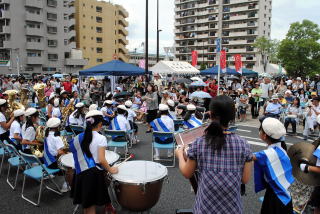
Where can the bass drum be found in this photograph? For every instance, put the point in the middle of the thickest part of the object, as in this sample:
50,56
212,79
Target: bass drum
138,184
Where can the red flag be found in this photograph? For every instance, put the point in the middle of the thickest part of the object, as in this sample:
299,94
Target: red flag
194,55
223,61
238,63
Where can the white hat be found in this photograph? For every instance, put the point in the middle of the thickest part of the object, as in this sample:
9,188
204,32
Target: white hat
118,88
170,103
273,128
52,95
30,111
53,122
109,102
93,107
191,107
18,113
274,97
123,107
165,92
79,105
288,92
2,101
298,78
63,91
318,119
163,107
56,102
128,103
93,113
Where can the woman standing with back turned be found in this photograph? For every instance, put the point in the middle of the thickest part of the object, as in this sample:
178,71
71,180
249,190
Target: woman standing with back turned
223,160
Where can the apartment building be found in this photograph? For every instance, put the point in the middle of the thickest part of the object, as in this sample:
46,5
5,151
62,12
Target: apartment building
136,57
38,36
198,23
101,31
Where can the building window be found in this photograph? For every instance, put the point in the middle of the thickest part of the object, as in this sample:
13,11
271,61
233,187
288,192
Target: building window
52,3
99,40
99,50
34,54
66,42
99,60
99,19
52,57
34,39
52,43
99,9
52,16
52,30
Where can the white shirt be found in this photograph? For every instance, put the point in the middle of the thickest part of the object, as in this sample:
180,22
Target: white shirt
97,142
29,134
314,110
54,143
173,115
131,115
56,112
168,122
15,128
265,89
289,82
2,119
76,121
123,123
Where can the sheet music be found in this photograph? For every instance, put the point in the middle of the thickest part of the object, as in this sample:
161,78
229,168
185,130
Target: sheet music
189,136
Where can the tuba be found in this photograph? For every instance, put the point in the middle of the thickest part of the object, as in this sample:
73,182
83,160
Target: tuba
66,111
12,104
38,150
24,96
39,89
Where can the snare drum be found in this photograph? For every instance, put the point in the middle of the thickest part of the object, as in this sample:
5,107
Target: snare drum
138,184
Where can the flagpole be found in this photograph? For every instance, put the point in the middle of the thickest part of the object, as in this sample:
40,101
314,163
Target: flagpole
219,65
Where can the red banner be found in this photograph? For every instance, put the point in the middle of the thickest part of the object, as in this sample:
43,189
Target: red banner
238,63
194,55
223,61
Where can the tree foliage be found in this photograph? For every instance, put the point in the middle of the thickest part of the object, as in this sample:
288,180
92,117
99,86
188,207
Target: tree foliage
268,49
299,52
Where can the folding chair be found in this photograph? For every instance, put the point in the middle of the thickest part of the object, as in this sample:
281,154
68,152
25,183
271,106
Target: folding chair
40,173
178,124
76,128
168,146
2,155
116,144
14,161
33,105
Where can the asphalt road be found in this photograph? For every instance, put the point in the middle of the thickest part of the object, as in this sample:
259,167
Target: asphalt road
175,194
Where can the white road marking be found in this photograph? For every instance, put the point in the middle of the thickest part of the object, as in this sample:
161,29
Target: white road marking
302,138
260,142
257,143
246,125
243,130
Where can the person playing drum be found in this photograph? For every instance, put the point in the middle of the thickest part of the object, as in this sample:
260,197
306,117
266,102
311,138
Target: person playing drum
190,120
53,146
89,187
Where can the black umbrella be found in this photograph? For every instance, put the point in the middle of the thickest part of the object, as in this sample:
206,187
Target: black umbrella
123,94
183,80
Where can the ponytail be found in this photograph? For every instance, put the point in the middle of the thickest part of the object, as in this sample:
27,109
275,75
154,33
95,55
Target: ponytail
214,135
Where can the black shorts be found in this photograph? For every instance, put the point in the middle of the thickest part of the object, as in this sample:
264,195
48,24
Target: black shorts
315,197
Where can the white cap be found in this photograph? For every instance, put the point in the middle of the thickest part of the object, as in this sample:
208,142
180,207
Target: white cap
109,102
273,128
56,102
52,95
18,113
123,107
298,78
128,103
93,113
2,101
288,92
163,107
191,107
93,107
170,103
63,91
165,92
118,88
79,105
30,111
53,122
274,97
318,119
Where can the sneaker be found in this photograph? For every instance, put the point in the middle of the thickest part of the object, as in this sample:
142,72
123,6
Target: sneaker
65,187
305,138
156,157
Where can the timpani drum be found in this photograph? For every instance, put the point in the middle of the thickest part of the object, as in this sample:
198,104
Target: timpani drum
138,184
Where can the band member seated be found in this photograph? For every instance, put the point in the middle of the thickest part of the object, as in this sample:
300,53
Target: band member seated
107,111
77,117
64,98
120,122
273,170
89,187
75,97
132,116
50,105
172,109
29,130
56,112
15,128
163,124
93,107
311,116
4,125
223,160
190,119
53,147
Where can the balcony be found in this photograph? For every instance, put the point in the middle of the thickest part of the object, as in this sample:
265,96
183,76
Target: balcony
123,31
243,33
123,12
124,22
122,57
122,48
4,1
5,44
72,33
34,31
34,17
5,29
238,17
240,50
76,62
5,14
34,3
72,45
123,41
35,60
243,25
242,1
35,46
237,42
71,22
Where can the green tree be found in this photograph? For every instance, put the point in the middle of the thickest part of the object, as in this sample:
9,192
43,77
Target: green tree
203,66
268,49
299,52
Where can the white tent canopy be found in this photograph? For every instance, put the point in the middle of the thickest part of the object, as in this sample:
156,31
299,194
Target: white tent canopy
174,67
271,69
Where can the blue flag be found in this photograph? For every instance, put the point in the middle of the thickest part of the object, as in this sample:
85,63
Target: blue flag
218,43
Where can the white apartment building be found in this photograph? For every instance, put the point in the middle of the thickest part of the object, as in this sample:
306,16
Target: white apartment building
198,23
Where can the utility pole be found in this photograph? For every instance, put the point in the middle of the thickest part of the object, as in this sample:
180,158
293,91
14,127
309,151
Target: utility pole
158,31
147,42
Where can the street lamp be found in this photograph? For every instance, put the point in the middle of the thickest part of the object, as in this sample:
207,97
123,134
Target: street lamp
147,41
158,31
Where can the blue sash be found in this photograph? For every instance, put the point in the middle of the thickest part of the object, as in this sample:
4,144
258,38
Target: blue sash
158,126
114,124
48,158
193,122
317,152
81,161
273,167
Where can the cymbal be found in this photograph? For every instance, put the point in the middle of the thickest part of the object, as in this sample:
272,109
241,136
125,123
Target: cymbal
303,152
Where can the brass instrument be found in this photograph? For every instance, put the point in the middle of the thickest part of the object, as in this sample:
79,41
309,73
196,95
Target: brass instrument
39,89
24,96
12,105
38,149
66,148
67,111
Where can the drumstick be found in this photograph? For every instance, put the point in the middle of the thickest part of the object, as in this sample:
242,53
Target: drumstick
128,158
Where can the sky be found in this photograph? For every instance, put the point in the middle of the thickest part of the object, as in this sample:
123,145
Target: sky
284,12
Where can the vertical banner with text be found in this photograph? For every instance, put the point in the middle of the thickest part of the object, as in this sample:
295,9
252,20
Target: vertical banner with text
194,55
238,63
223,61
